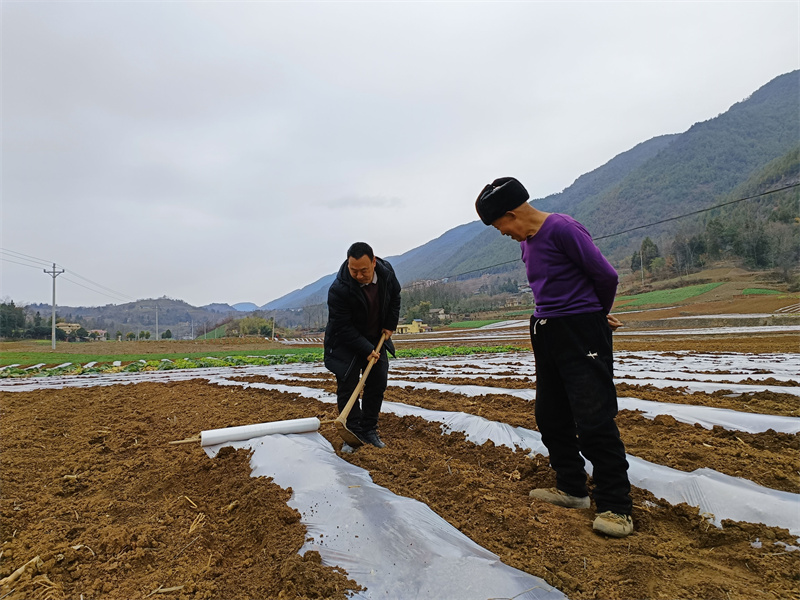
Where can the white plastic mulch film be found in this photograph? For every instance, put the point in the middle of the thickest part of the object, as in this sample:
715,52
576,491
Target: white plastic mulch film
396,547
717,495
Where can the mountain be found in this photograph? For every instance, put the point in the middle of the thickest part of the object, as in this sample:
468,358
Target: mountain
313,293
416,262
245,306
183,319
660,178
219,308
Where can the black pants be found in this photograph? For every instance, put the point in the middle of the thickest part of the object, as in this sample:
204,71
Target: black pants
576,403
364,414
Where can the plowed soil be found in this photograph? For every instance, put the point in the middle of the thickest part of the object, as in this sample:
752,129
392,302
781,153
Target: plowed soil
98,504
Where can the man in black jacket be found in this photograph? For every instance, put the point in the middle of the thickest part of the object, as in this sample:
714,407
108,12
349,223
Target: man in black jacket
363,303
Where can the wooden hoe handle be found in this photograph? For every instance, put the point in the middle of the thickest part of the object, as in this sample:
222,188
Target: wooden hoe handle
342,418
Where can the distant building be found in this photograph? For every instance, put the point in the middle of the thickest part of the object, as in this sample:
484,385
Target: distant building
438,313
423,283
68,327
524,298
416,326
101,334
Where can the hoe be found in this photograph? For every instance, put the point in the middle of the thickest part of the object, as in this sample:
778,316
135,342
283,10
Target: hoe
306,425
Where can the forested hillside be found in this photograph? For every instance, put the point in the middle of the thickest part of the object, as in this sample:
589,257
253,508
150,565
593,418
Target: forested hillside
763,232
701,166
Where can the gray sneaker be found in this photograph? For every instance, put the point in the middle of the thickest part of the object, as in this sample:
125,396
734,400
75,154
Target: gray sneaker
559,498
613,524
348,449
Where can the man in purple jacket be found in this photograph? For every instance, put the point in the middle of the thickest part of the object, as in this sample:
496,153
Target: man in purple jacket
573,286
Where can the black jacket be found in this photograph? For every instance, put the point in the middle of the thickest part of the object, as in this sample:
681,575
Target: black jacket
345,339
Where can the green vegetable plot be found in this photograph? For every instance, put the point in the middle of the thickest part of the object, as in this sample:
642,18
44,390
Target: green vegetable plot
151,363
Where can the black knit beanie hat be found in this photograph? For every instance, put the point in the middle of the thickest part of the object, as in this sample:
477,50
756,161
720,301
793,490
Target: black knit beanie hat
499,197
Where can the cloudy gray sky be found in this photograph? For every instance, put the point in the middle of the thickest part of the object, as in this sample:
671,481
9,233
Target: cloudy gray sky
231,151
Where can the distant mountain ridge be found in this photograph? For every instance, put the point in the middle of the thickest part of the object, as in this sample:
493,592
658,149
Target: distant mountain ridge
416,262
660,178
245,306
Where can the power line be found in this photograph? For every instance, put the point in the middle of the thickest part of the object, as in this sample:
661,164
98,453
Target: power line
93,290
119,296
20,255
697,212
19,263
689,214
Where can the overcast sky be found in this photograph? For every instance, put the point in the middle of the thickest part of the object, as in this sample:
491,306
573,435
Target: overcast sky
232,151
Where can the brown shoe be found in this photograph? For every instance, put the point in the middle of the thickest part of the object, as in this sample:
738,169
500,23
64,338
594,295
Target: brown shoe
559,498
613,524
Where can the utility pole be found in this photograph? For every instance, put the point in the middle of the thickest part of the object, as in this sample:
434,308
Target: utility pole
641,260
54,274
156,322
273,328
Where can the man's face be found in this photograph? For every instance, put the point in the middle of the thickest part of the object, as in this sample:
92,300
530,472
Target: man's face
361,269
509,225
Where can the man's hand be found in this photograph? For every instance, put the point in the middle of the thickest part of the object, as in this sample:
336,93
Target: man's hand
374,355
613,322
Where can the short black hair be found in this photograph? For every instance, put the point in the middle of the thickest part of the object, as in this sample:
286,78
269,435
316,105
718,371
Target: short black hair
359,249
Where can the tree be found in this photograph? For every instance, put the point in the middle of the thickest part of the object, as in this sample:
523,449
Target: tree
166,335
784,247
131,335
420,311
251,325
649,251
636,262
12,320
659,268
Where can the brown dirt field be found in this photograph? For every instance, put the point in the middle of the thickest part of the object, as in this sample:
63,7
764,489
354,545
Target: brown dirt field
753,344
770,458
92,487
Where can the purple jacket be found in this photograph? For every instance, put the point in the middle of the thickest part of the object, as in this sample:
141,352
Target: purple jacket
567,272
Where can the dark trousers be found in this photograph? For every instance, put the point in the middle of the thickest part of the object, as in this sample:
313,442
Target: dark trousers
364,414
576,403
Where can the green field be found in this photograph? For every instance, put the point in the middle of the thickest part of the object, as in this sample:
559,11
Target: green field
756,291
665,297
219,332
52,358
473,324
163,362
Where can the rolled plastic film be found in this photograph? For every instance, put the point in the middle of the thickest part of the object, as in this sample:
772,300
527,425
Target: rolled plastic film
246,432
